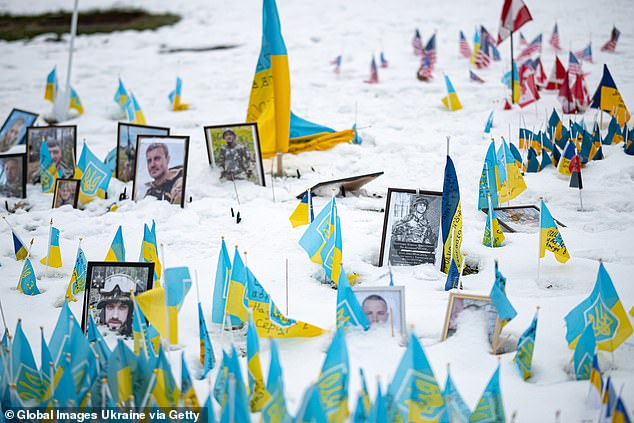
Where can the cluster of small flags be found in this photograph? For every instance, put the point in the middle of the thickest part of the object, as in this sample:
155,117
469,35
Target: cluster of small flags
374,71
52,90
128,104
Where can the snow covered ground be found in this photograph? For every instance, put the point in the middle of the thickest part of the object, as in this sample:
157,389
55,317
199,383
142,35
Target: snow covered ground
404,130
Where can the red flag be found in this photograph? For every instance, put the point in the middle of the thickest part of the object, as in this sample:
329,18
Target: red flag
514,15
565,97
540,77
575,173
580,94
556,76
529,92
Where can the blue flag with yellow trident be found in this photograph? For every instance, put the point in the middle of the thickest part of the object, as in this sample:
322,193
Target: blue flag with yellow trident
332,385
258,395
505,309
349,311
93,174
584,353
602,310
525,348
331,252
236,307
274,411
451,219
490,408
28,283
414,390
77,282
116,252
207,358
24,371
48,170
318,232
489,180
457,409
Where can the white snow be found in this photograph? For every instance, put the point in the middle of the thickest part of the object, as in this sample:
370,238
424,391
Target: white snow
404,130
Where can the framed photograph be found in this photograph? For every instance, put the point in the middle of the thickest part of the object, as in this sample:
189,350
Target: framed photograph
13,131
235,150
126,147
66,192
383,305
161,168
341,186
108,294
13,175
466,303
411,227
524,219
61,142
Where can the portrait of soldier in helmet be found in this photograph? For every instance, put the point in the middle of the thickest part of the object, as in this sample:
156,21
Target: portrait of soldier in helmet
412,227
110,291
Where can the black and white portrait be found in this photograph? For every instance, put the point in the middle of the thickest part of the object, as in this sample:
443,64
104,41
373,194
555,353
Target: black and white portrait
411,227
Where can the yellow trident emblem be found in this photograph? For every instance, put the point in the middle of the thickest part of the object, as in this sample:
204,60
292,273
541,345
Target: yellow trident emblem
91,179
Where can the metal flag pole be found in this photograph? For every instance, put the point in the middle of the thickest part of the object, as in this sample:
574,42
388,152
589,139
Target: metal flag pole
539,245
165,294
62,100
512,73
48,252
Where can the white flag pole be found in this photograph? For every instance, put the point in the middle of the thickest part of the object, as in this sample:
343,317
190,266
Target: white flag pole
62,100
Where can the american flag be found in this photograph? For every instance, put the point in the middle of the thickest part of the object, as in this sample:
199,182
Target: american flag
424,72
482,59
430,51
610,46
374,73
523,42
337,62
495,52
465,51
574,67
514,15
585,54
417,43
534,46
475,78
554,39
383,60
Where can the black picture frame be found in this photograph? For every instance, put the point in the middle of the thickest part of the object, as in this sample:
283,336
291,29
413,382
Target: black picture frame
418,243
123,151
65,134
9,190
247,135
506,219
97,273
21,137
57,194
142,140
341,186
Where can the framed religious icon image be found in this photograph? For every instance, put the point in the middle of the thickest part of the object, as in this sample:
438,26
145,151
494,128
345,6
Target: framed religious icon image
13,130
108,294
411,227
384,306
127,134
61,142
66,193
13,175
235,150
161,168
467,306
523,219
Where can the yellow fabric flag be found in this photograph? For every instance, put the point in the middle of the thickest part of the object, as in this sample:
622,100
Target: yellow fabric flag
154,307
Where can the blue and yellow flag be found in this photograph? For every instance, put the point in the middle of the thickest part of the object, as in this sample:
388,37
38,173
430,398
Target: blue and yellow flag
490,408
77,282
453,277
188,394
305,136
451,100
608,98
275,411
19,248
596,384
364,404
525,347
48,169
98,343
229,384
451,219
492,226
331,252
602,310
584,353
133,110
378,411
515,89
24,372
564,162
154,304
489,180
318,232
178,282
500,301
93,174
149,249
332,385
457,410
207,357
175,97
349,311
258,395
28,283
476,45
514,183
620,412
54,256
614,135
140,333
75,102
51,85
532,161
414,390
270,99
121,96
165,392
236,307
303,213
221,285
549,237
47,368
116,252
